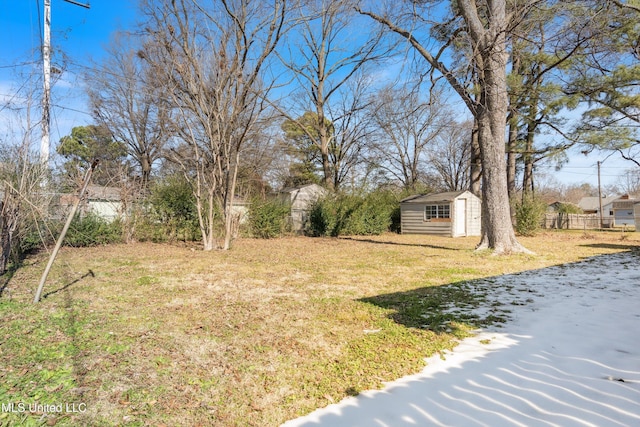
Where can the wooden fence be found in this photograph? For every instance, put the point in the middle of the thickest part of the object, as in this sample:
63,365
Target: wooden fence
575,221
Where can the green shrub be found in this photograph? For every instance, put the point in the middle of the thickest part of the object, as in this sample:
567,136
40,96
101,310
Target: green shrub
92,230
268,218
36,234
321,217
344,214
529,215
170,213
148,229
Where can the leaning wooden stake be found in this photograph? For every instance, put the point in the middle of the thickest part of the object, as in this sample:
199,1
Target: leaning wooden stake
52,258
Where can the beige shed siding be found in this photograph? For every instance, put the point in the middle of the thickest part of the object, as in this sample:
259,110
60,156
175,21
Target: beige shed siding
412,221
636,214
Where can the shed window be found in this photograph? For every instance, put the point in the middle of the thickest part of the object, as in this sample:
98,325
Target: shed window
437,211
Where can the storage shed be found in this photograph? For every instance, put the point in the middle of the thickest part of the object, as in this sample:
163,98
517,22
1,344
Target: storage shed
301,200
454,214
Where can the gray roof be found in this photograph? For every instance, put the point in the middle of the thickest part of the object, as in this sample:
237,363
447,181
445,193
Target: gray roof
98,192
593,203
300,187
433,197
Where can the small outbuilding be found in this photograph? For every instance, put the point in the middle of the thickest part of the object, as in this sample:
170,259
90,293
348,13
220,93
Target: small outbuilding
301,199
455,214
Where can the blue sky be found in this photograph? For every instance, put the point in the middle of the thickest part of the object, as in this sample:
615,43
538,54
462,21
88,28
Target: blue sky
78,31
79,35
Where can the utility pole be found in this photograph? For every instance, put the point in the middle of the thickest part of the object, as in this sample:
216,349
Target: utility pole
600,197
46,69
46,96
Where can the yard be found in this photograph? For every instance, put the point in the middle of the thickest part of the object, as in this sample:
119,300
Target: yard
151,334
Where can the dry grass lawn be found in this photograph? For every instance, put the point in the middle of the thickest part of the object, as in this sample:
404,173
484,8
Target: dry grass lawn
151,334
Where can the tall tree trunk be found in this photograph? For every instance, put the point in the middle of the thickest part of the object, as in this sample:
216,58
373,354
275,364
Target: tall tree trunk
229,220
9,213
486,24
491,113
527,175
5,240
528,156
475,185
513,120
145,166
511,154
324,137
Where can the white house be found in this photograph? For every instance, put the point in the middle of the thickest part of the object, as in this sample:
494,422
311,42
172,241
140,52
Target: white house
616,210
455,214
591,205
104,202
622,210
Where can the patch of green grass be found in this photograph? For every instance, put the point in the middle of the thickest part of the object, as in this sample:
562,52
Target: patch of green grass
146,280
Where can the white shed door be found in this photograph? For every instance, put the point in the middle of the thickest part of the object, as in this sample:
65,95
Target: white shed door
460,217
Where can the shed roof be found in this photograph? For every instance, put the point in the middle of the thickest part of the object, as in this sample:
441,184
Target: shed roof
433,197
300,187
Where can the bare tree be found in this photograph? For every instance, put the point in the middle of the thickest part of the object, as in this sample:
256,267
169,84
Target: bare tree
330,53
126,99
211,61
407,125
486,25
629,182
22,201
351,127
451,156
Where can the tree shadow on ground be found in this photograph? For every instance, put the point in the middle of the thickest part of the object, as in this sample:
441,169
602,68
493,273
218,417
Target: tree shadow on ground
89,273
581,370
5,278
443,308
625,246
417,245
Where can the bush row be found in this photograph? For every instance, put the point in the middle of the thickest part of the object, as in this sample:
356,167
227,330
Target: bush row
344,214
169,215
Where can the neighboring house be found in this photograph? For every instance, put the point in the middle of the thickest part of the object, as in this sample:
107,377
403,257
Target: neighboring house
591,205
301,199
454,214
616,211
636,214
104,202
554,207
622,209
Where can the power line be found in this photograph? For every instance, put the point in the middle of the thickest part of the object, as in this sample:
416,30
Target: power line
21,64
